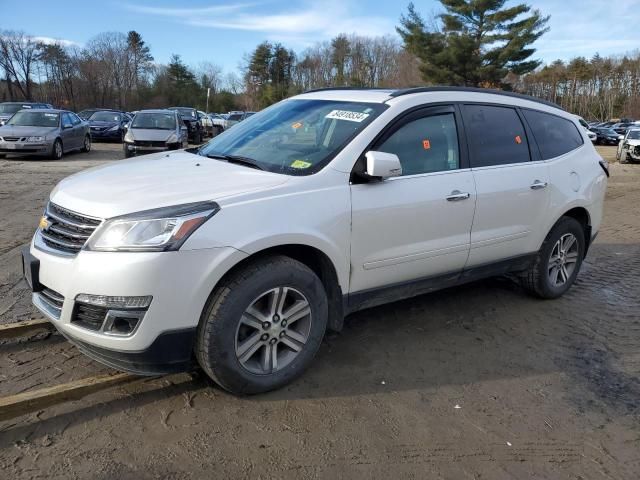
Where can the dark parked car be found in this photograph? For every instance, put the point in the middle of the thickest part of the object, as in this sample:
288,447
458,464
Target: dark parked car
108,125
621,128
9,108
606,136
191,120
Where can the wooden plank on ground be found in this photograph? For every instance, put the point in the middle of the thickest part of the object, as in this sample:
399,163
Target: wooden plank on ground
26,402
20,329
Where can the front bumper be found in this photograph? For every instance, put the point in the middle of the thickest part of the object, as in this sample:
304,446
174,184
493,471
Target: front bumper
26,148
179,282
151,148
105,134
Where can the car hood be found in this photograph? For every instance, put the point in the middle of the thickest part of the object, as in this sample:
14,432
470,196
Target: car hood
157,180
633,142
150,134
17,131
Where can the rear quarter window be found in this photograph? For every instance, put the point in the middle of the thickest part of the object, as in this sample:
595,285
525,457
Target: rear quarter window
554,135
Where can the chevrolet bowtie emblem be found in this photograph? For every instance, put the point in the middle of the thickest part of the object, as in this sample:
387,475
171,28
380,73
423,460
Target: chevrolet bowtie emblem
43,224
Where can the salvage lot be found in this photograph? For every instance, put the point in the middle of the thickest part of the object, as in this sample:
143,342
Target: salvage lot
480,381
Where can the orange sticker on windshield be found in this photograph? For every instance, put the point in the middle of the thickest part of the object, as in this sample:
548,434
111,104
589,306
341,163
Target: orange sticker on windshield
518,139
426,144
296,125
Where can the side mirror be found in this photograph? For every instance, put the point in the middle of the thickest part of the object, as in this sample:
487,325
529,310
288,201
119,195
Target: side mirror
126,126
183,128
67,126
383,165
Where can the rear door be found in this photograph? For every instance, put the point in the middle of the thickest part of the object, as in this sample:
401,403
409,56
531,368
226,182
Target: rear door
511,182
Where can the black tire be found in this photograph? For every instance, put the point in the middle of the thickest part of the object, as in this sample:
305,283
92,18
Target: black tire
86,146
2,155
56,150
127,152
536,279
219,325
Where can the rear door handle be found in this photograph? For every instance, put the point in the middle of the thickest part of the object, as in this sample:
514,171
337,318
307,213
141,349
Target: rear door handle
538,185
457,195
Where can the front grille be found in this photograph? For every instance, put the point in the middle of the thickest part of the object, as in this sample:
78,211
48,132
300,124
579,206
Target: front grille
67,231
98,129
88,316
142,143
14,139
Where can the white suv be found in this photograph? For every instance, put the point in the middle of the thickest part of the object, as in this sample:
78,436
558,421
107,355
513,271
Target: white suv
239,255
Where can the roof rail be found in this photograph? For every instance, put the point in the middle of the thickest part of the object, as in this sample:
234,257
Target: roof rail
407,91
323,89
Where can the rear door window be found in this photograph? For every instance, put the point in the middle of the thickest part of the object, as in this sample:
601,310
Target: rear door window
495,135
554,135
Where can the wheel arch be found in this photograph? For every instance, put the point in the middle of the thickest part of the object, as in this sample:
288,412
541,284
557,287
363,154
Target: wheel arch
315,259
582,216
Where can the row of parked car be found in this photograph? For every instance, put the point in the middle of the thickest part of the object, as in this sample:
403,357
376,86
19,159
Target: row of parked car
39,129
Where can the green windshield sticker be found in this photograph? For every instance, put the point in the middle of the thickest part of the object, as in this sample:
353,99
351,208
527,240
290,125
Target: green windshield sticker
300,164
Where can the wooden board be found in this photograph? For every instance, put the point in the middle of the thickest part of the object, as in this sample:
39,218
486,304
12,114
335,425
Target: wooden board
20,329
27,402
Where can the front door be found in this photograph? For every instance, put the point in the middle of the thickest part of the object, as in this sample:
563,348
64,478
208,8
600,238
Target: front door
416,225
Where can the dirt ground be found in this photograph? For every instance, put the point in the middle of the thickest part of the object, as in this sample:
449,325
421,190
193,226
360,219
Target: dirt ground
476,382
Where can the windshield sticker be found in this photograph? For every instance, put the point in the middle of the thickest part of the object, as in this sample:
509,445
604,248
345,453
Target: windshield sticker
347,115
426,144
300,164
51,115
296,125
518,139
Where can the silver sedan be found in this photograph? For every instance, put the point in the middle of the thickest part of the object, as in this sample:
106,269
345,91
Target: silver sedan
44,132
155,131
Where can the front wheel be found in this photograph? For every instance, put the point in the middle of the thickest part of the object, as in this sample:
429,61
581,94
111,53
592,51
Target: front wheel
558,262
86,147
262,326
56,150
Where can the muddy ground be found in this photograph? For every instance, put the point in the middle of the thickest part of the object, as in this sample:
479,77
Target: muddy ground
477,382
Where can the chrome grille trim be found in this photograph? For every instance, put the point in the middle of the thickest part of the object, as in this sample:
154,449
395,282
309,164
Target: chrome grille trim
67,232
49,302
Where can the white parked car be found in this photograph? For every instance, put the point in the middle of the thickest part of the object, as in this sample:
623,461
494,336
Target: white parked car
629,146
241,256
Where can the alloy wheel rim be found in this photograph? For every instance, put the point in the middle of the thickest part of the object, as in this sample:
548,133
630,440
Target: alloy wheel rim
563,260
273,330
58,150
87,143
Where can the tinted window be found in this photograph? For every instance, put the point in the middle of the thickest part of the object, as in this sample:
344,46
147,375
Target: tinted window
496,135
105,116
428,144
66,120
554,135
74,118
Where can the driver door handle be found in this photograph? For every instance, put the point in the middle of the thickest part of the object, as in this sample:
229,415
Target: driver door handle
538,185
457,195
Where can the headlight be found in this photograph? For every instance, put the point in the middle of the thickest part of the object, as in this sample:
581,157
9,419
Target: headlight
114,128
35,139
129,137
173,138
155,230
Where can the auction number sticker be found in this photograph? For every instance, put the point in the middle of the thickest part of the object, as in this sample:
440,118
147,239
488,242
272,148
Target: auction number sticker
347,115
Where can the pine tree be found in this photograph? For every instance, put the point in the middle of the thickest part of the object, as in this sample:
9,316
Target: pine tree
477,43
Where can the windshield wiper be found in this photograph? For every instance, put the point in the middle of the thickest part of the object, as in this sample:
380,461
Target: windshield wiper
237,159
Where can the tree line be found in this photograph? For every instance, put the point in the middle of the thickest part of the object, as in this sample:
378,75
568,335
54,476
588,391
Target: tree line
484,43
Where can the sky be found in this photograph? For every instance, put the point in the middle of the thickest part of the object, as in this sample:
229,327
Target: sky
222,31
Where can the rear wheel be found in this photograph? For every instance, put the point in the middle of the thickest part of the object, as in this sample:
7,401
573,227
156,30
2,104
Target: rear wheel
558,262
127,153
56,150
262,326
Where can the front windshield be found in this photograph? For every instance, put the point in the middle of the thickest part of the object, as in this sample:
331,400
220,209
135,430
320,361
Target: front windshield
105,117
634,135
296,137
154,121
35,119
12,107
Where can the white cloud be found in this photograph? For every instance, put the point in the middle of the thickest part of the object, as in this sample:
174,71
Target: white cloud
59,41
301,23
